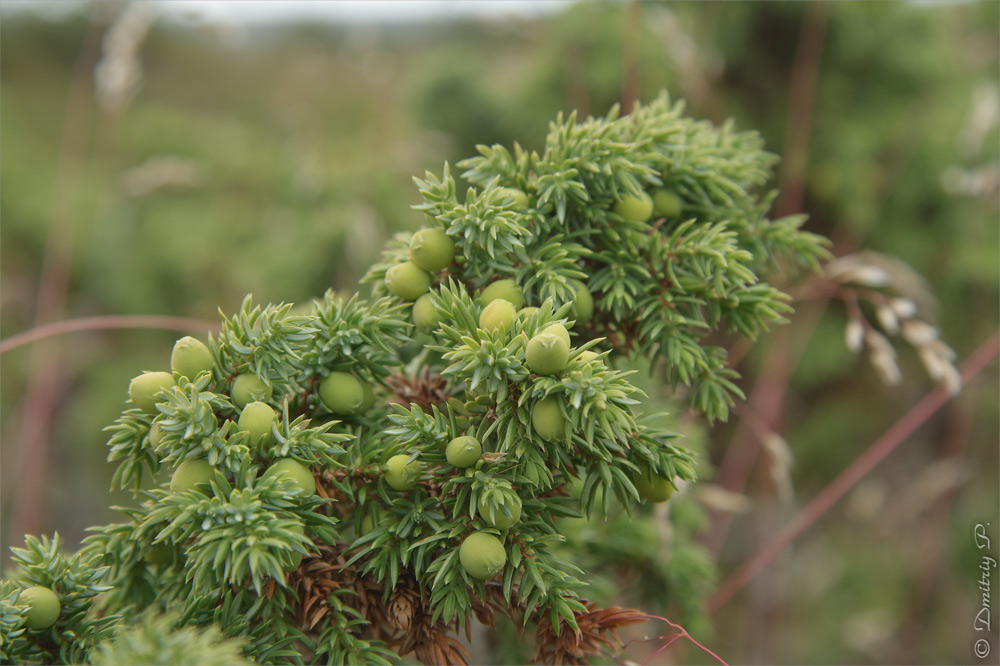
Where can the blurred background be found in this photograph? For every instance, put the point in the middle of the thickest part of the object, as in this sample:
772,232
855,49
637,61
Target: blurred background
169,158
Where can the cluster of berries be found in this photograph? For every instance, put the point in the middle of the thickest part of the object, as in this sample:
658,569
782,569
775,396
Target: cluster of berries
248,393
548,352
431,251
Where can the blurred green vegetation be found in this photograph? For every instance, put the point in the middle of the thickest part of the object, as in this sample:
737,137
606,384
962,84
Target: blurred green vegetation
292,149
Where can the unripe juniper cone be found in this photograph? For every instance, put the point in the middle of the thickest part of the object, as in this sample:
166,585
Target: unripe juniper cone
342,393
425,315
463,451
43,607
367,397
407,281
294,561
547,354
505,289
432,249
249,388
638,208
256,419
498,518
155,435
548,421
159,553
667,204
652,487
560,330
295,557
400,474
144,387
518,198
497,315
482,555
192,474
583,302
292,469
191,356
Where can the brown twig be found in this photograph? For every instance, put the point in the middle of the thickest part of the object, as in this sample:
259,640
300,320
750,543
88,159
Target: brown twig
103,323
631,38
862,465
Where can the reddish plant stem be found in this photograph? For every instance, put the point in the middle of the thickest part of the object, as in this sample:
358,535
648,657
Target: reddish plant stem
862,465
631,38
932,547
106,322
801,101
45,374
763,407
682,633
768,396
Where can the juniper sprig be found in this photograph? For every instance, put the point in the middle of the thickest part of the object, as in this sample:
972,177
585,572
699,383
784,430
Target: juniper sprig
345,529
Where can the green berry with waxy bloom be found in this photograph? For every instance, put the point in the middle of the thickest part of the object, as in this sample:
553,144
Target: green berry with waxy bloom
190,356
367,399
482,555
548,421
583,302
652,487
159,553
635,208
192,474
301,476
524,313
425,315
497,315
432,249
295,556
560,330
342,393
43,607
407,281
586,355
155,435
546,354
294,562
500,520
505,289
256,419
367,524
249,388
143,388
520,199
463,451
666,203
400,474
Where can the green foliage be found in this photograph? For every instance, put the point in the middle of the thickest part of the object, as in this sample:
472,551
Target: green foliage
162,639
660,286
251,528
76,580
880,143
248,542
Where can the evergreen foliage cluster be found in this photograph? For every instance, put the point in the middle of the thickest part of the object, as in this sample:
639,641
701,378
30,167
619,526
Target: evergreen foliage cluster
319,509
